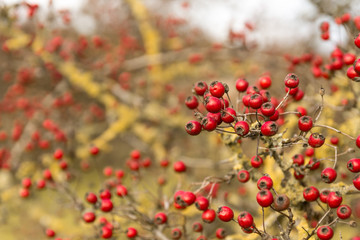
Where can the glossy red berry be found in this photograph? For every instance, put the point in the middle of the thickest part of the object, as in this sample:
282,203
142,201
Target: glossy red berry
131,232
200,88
334,199
105,194
242,128
24,192
275,116
228,115
325,233
324,195
265,82
281,202
160,218
356,182
179,166
267,109
41,184
298,159
264,198
245,219
121,191
106,232
188,197
314,163
316,140
256,161
292,91
89,217
220,233
216,116
193,128
305,123
26,183
291,80
310,194
106,205
94,150
354,165
91,197
265,182
201,237
246,100
299,95
328,175
357,41
217,89
324,26
209,123
334,140
225,214
269,128
358,141
191,102
197,227
208,215
255,101
243,176
343,211
349,58
241,85
176,233
213,104
351,73
202,203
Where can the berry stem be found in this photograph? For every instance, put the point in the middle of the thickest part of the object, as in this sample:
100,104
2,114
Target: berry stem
334,129
283,100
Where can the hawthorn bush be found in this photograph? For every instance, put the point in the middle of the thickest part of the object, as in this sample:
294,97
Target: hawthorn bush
93,144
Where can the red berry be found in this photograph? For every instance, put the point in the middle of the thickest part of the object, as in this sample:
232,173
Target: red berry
334,199
343,211
256,161
246,100
358,141
164,163
89,217
324,26
121,191
242,128
267,109
105,194
213,104
243,176
357,66
264,198
176,233
58,154
292,91
252,90
310,194
328,175
325,35
245,219
228,115
40,184
356,182
354,165
193,128
225,213
265,82
269,128
216,116
325,233
281,202
47,174
217,89
50,233
357,41
315,164
208,215
200,88
191,102
106,205
188,197
26,182
24,192
106,232
305,123
91,197
202,203
179,166
255,101
220,233
351,73
131,232
275,116
291,80
197,227
94,150
316,140
209,123
349,58
160,218
265,182
324,195
241,85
